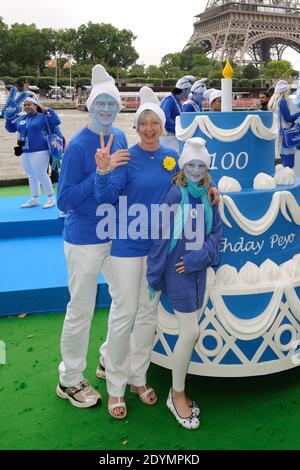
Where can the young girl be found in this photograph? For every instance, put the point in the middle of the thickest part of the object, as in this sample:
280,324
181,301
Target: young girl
178,265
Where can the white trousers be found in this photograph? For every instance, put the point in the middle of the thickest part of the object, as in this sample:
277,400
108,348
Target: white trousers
188,336
35,165
132,323
84,265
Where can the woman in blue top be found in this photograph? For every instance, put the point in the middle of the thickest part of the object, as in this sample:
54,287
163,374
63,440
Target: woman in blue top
132,320
178,265
279,103
172,107
86,254
35,157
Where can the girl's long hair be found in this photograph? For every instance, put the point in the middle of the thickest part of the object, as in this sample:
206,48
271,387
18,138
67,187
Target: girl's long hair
179,179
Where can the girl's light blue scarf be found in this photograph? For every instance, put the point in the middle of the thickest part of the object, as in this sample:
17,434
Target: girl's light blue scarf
181,217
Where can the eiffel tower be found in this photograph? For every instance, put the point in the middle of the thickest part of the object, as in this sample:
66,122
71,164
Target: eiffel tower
260,29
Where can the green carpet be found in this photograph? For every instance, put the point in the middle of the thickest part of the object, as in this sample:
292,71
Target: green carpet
257,413
14,191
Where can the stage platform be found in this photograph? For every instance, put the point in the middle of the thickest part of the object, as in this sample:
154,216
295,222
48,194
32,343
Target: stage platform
33,274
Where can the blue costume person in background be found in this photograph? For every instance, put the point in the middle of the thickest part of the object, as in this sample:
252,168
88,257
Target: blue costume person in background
194,103
279,102
172,107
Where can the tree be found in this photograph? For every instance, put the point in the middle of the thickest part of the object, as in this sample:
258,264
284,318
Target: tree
105,44
154,71
27,45
187,56
278,69
137,70
250,71
3,38
171,60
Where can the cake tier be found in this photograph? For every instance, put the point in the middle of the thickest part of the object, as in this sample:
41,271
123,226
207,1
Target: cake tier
260,225
241,144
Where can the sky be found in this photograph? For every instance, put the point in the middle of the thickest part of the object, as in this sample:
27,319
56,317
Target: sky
161,26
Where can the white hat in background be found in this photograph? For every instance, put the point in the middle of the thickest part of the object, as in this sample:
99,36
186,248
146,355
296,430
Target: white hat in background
103,84
32,98
185,82
149,102
212,94
281,87
194,149
199,86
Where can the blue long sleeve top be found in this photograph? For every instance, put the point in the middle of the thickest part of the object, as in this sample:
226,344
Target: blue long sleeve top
143,181
185,291
191,106
76,186
285,112
32,129
172,108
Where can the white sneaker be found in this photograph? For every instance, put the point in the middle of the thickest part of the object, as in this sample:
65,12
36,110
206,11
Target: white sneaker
192,422
31,203
49,203
81,395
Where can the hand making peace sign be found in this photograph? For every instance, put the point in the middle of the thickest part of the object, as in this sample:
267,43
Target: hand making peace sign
105,161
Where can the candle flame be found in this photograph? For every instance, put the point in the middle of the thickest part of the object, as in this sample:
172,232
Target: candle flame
228,70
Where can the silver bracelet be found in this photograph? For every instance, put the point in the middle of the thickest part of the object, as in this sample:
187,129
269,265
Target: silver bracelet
103,172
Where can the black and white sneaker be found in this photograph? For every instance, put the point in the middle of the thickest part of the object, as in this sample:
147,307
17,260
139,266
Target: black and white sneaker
100,371
81,395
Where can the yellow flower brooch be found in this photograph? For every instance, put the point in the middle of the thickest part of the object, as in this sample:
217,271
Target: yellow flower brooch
169,163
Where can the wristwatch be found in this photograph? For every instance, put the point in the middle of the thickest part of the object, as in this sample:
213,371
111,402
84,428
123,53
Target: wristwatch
103,172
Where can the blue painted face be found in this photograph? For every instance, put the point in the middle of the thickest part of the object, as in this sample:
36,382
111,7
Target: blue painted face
195,171
104,111
198,98
184,94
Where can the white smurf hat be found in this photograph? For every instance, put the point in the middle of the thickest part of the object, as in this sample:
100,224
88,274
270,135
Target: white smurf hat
281,87
185,82
199,86
103,84
194,149
32,98
149,102
212,94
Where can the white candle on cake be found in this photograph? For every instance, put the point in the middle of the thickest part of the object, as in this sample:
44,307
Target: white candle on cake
227,87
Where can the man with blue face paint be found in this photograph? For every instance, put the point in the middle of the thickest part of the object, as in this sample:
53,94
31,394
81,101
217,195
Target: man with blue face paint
86,254
194,102
172,107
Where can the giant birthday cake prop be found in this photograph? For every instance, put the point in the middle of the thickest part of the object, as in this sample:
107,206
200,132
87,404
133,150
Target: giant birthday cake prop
250,320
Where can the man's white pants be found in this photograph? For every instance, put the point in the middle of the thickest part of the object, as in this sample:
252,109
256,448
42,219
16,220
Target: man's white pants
132,323
84,263
35,165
